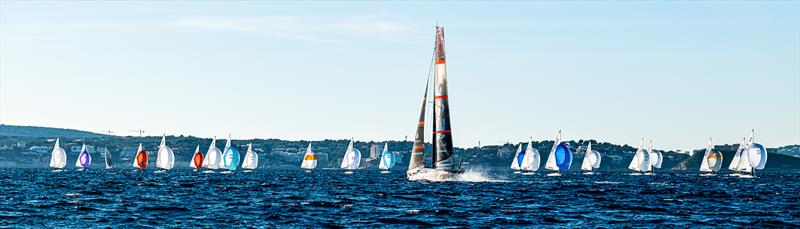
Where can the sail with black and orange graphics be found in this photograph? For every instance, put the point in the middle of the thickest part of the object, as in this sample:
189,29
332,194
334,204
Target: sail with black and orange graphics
442,133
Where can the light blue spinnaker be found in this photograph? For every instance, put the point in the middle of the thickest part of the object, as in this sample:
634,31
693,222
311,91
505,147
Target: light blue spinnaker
388,158
230,158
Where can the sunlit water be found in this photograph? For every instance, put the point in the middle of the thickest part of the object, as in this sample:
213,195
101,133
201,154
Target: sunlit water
183,198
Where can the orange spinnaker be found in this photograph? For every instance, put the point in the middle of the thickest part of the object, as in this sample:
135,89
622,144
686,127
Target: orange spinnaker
198,160
141,159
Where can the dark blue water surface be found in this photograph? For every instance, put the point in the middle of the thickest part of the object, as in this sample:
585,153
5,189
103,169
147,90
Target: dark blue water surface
273,198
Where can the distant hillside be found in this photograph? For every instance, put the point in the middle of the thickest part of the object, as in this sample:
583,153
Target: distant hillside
44,132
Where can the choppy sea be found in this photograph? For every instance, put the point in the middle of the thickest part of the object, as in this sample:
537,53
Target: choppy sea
368,198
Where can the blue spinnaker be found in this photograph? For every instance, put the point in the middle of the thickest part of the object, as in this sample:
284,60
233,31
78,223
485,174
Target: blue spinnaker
563,157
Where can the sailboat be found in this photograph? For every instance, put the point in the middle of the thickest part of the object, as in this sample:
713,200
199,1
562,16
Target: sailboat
444,165
213,157
531,160
165,159
230,157
516,162
84,159
352,159
250,159
591,160
655,156
141,159
309,160
712,160
641,161
560,158
740,163
58,159
387,159
756,156
197,159
107,157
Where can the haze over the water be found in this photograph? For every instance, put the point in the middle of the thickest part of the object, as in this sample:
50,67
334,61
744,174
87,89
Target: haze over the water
676,72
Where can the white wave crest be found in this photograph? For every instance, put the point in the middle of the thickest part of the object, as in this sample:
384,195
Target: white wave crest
471,175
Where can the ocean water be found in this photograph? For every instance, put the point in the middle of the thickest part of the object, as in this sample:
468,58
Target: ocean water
294,198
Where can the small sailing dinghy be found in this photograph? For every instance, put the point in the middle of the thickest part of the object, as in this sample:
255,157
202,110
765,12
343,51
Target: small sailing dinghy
739,163
84,159
197,159
250,159
444,164
641,161
141,159
107,157
387,159
213,157
165,159
755,155
560,158
58,158
230,157
655,156
531,160
591,160
712,160
516,162
309,160
352,159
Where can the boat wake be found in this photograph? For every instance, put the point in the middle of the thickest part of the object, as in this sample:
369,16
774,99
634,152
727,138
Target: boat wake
427,174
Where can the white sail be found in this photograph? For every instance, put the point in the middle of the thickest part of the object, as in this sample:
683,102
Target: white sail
250,158
515,162
309,160
641,160
213,156
655,156
387,158
352,158
58,158
704,164
591,160
532,158
221,161
551,159
738,155
191,162
165,157
106,155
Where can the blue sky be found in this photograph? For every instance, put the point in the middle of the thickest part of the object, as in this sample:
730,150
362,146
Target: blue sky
676,72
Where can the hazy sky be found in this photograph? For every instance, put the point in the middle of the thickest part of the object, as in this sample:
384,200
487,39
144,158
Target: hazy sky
676,72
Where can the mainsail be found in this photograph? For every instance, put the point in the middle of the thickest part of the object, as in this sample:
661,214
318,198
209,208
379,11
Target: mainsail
591,160
442,133
519,156
250,158
309,160
655,156
84,159
197,159
141,159
352,158
737,156
641,160
213,156
230,157
58,159
165,159
551,159
107,157
387,158
531,160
